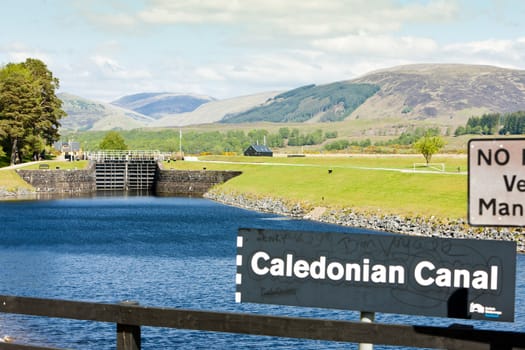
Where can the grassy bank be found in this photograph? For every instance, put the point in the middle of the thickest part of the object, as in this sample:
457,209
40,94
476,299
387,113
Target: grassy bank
58,164
368,184
10,181
377,184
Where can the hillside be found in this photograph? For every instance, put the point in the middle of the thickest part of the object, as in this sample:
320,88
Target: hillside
84,114
443,93
214,111
325,103
157,105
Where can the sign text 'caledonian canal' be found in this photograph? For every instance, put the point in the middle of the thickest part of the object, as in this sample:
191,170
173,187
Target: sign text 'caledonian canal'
378,272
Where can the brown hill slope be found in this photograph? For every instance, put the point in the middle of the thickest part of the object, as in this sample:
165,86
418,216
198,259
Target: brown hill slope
444,93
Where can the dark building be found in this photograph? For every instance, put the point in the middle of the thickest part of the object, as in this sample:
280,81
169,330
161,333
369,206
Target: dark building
258,151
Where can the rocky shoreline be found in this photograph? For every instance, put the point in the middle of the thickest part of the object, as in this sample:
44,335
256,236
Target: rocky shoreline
429,227
15,193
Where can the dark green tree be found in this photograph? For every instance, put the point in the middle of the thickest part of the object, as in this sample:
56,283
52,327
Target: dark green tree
257,136
50,106
113,141
29,108
19,108
284,132
513,123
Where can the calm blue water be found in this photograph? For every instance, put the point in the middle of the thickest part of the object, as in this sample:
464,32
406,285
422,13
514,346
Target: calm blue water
169,252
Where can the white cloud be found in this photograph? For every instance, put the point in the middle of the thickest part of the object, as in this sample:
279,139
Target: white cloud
378,45
247,46
19,52
107,64
110,68
295,18
208,73
504,53
485,46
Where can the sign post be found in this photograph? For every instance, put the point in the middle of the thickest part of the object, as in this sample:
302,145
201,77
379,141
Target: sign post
366,317
496,189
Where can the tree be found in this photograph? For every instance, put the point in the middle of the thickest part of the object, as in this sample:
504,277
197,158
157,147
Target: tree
428,146
50,106
29,108
18,108
114,141
284,132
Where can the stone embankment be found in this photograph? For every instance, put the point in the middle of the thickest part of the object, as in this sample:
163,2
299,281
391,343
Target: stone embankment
191,183
15,193
429,227
61,181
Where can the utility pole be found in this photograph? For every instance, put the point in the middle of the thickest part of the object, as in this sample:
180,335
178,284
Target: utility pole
180,144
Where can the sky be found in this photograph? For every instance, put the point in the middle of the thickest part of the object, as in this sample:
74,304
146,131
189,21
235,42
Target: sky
105,49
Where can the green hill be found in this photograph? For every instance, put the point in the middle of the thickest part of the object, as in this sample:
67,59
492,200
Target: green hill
324,103
84,114
446,94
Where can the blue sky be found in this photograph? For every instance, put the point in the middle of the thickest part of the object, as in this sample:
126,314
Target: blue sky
104,49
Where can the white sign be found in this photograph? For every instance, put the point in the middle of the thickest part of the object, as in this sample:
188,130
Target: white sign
496,182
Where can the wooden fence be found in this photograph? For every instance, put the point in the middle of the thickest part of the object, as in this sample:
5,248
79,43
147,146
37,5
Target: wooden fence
129,317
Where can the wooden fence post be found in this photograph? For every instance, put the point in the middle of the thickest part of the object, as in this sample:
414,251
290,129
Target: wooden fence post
128,336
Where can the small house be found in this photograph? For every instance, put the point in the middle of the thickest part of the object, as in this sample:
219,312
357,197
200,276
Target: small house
258,151
70,150
66,147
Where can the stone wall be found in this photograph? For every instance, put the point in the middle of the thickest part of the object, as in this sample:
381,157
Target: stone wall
167,182
61,181
189,183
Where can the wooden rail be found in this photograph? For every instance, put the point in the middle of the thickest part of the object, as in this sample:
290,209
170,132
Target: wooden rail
129,317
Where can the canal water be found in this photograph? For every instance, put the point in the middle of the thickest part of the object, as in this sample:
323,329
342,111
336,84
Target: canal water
166,252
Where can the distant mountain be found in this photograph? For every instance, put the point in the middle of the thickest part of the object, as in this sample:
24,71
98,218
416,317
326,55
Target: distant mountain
443,93
159,104
84,114
446,94
311,103
214,111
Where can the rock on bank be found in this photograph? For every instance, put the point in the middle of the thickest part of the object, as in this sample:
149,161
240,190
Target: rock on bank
430,227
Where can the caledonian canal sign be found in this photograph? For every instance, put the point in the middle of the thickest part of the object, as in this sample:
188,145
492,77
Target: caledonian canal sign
496,184
378,272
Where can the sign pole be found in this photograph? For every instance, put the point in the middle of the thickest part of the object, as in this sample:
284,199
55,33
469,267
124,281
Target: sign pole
366,317
180,144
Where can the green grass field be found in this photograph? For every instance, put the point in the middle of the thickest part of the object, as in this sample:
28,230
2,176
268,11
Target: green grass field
10,181
372,184
368,184
54,164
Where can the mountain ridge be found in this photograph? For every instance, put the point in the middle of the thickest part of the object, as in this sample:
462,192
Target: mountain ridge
446,94
158,104
84,114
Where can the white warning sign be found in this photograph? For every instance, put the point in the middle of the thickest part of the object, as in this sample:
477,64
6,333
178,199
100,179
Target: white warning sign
496,182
